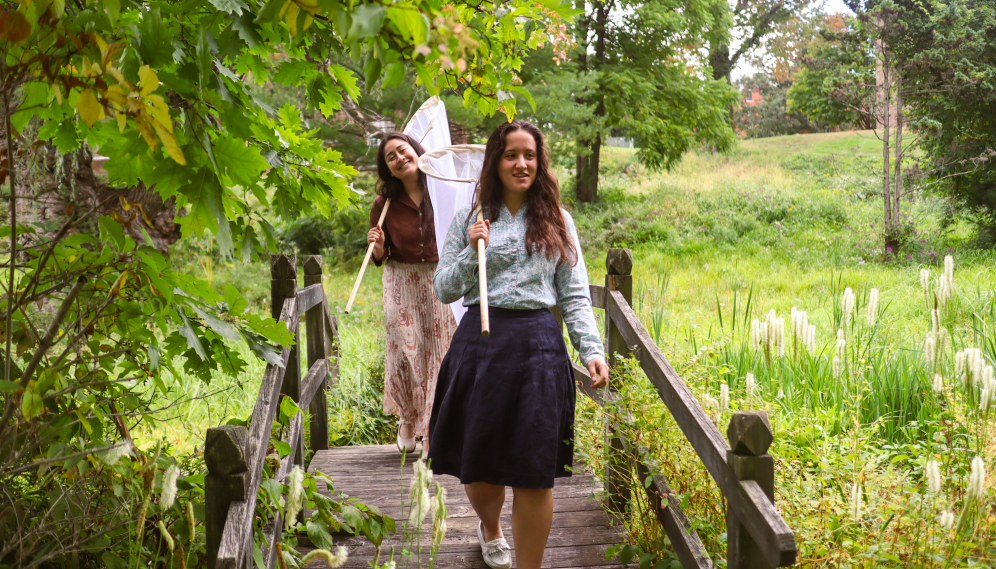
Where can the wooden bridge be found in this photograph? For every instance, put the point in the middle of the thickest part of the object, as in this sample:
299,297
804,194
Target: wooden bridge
757,536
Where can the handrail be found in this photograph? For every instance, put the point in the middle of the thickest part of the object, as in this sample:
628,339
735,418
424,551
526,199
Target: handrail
747,482
235,455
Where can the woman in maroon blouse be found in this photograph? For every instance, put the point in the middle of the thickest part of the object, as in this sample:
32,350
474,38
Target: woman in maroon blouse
419,327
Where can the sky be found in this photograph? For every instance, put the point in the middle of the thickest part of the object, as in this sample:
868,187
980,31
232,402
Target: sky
830,7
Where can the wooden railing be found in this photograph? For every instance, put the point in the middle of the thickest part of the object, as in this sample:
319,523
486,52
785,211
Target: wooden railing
757,536
235,454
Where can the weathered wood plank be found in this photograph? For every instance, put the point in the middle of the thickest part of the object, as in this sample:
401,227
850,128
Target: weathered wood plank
554,558
597,293
312,384
764,523
309,297
314,325
236,540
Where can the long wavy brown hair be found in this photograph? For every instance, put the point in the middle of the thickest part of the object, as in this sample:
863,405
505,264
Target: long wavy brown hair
546,228
391,187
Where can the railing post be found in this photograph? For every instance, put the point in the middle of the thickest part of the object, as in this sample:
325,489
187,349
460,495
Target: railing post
314,325
283,285
226,481
750,436
619,268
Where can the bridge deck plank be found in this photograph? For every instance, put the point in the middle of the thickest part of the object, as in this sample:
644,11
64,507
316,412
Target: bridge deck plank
373,474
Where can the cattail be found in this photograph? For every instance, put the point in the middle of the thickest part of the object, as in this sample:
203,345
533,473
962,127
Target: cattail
925,284
724,397
872,306
170,544
191,522
977,478
811,339
751,385
933,471
938,383
847,306
169,487
334,561
856,501
946,519
295,497
928,349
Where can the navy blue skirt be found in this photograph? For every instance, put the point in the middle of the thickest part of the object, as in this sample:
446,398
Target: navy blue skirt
504,406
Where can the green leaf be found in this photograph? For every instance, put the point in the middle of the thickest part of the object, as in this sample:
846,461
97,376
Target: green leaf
31,404
318,533
221,327
8,386
34,99
111,231
155,40
628,552
282,448
289,408
230,6
352,516
525,93
367,21
646,559
247,30
372,70
394,75
63,134
192,339
345,79
242,164
291,73
409,22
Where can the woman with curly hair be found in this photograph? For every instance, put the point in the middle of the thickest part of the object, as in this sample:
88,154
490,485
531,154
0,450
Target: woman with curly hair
418,326
504,408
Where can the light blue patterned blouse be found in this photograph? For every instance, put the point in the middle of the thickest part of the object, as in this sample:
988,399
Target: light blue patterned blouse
517,279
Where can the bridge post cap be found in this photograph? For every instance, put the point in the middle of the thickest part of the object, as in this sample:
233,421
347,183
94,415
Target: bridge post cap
619,262
225,450
312,264
283,266
750,433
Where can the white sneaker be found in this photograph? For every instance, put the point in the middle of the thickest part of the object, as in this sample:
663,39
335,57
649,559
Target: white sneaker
497,553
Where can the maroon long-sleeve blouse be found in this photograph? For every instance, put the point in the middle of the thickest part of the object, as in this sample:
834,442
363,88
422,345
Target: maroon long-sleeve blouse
403,239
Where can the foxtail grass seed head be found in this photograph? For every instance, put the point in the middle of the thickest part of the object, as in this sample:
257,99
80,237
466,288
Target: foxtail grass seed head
977,478
935,322
780,336
976,364
856,501
847,306
755,333
333,561
925,284
928,349
724,397
959,363
439,514
751,385
872,307
295,497
191,523
933,472
116,453
946,519
781,393
835,365
170,544
938,384
985,398
420,502
169,487
811,339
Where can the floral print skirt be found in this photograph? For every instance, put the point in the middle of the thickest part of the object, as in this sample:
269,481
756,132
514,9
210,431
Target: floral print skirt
419,329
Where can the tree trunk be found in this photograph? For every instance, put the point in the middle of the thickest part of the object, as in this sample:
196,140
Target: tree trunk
897,183
884,112
586,167
587,171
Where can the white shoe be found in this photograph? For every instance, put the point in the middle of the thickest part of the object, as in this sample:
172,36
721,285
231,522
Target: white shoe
497,553
405,445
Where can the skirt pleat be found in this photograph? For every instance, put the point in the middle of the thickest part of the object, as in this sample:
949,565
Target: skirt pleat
504,404
418,332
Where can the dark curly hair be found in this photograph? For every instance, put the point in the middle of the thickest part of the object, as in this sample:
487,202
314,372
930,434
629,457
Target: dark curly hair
546,228
391,187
